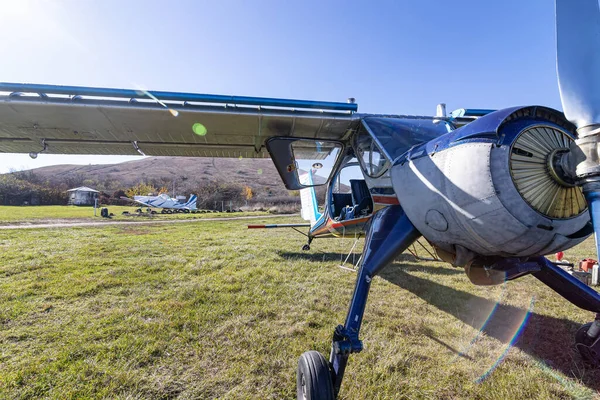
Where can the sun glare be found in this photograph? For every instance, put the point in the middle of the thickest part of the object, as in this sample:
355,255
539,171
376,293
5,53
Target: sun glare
15,8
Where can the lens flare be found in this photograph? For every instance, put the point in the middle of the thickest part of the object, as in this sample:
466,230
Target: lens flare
570,386
174,113
466,349
199,129
510,344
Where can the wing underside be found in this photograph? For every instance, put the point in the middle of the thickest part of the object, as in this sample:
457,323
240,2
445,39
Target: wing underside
68,122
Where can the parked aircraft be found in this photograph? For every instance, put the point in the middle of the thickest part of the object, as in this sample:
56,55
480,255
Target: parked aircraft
348,208
166,203
491,191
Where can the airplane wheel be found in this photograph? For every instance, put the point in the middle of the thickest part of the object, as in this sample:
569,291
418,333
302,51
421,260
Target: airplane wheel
313,379
581,335
306,247
583,343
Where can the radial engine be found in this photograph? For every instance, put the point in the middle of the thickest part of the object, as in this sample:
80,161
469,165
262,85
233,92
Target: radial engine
499,187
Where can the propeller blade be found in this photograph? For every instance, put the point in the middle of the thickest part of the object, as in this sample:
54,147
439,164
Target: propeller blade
578,60
578,69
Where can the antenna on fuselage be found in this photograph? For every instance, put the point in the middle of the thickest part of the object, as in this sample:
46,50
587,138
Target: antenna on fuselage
440,110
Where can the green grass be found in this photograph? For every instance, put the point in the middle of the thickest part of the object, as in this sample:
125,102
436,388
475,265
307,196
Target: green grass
39,214
212,310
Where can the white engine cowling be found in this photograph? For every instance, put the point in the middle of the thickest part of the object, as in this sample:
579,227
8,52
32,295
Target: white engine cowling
481,198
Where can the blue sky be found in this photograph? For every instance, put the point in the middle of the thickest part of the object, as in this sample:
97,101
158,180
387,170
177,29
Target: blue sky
400,57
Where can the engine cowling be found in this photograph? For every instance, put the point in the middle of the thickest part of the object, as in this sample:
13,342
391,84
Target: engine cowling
491,188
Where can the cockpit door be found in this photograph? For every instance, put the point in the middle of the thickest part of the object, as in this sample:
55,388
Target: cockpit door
294,158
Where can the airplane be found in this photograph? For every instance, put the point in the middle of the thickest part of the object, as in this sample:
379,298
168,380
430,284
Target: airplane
492,191
167,203
348,208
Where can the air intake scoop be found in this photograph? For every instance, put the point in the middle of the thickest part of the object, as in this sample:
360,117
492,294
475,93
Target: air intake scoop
533,172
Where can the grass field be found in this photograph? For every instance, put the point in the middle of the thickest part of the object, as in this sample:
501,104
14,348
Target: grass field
38,214
211,310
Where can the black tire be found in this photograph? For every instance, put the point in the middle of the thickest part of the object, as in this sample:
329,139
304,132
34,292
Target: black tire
581,335
306,247
582,342
313,379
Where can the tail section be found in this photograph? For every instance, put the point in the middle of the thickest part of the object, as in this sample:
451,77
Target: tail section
308,198
191,203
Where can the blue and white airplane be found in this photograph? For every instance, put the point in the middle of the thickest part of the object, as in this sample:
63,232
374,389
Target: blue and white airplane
167,203
492,191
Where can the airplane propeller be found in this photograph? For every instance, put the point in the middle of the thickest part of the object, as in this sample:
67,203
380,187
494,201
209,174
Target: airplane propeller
578,60
578,68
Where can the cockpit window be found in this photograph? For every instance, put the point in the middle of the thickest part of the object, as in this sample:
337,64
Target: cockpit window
315,156
397,135
341,183
371,157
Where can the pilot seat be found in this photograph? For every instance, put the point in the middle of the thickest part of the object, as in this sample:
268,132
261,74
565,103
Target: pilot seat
358,204
361,197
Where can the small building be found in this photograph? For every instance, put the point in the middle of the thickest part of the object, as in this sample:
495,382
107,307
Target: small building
82,196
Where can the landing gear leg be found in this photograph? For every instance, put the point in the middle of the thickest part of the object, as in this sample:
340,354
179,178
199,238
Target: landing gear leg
587,338
389,234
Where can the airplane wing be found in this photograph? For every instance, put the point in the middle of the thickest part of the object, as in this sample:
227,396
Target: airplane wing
136,201
83,120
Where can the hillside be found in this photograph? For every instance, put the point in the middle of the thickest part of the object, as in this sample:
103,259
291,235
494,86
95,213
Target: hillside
185,172
239,182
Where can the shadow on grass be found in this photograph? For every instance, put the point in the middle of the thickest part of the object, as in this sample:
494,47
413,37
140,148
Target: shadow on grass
316,256
548,339
320,256
452,349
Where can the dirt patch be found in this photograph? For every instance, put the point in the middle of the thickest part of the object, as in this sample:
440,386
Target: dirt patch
74,223
44,221
133,230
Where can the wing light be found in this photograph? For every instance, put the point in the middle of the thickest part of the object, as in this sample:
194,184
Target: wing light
34,154
137,147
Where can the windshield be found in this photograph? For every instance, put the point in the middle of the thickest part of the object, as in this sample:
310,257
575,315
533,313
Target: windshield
397,135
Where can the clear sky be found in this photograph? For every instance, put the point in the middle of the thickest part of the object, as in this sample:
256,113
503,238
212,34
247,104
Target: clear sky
396,56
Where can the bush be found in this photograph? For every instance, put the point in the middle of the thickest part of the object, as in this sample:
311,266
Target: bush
16,192
211,194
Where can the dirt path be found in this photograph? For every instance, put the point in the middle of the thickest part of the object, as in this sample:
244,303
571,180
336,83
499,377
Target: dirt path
96,224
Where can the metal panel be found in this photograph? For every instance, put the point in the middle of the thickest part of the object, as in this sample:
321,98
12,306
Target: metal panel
200,150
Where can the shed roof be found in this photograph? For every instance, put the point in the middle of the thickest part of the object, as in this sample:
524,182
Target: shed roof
83,189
